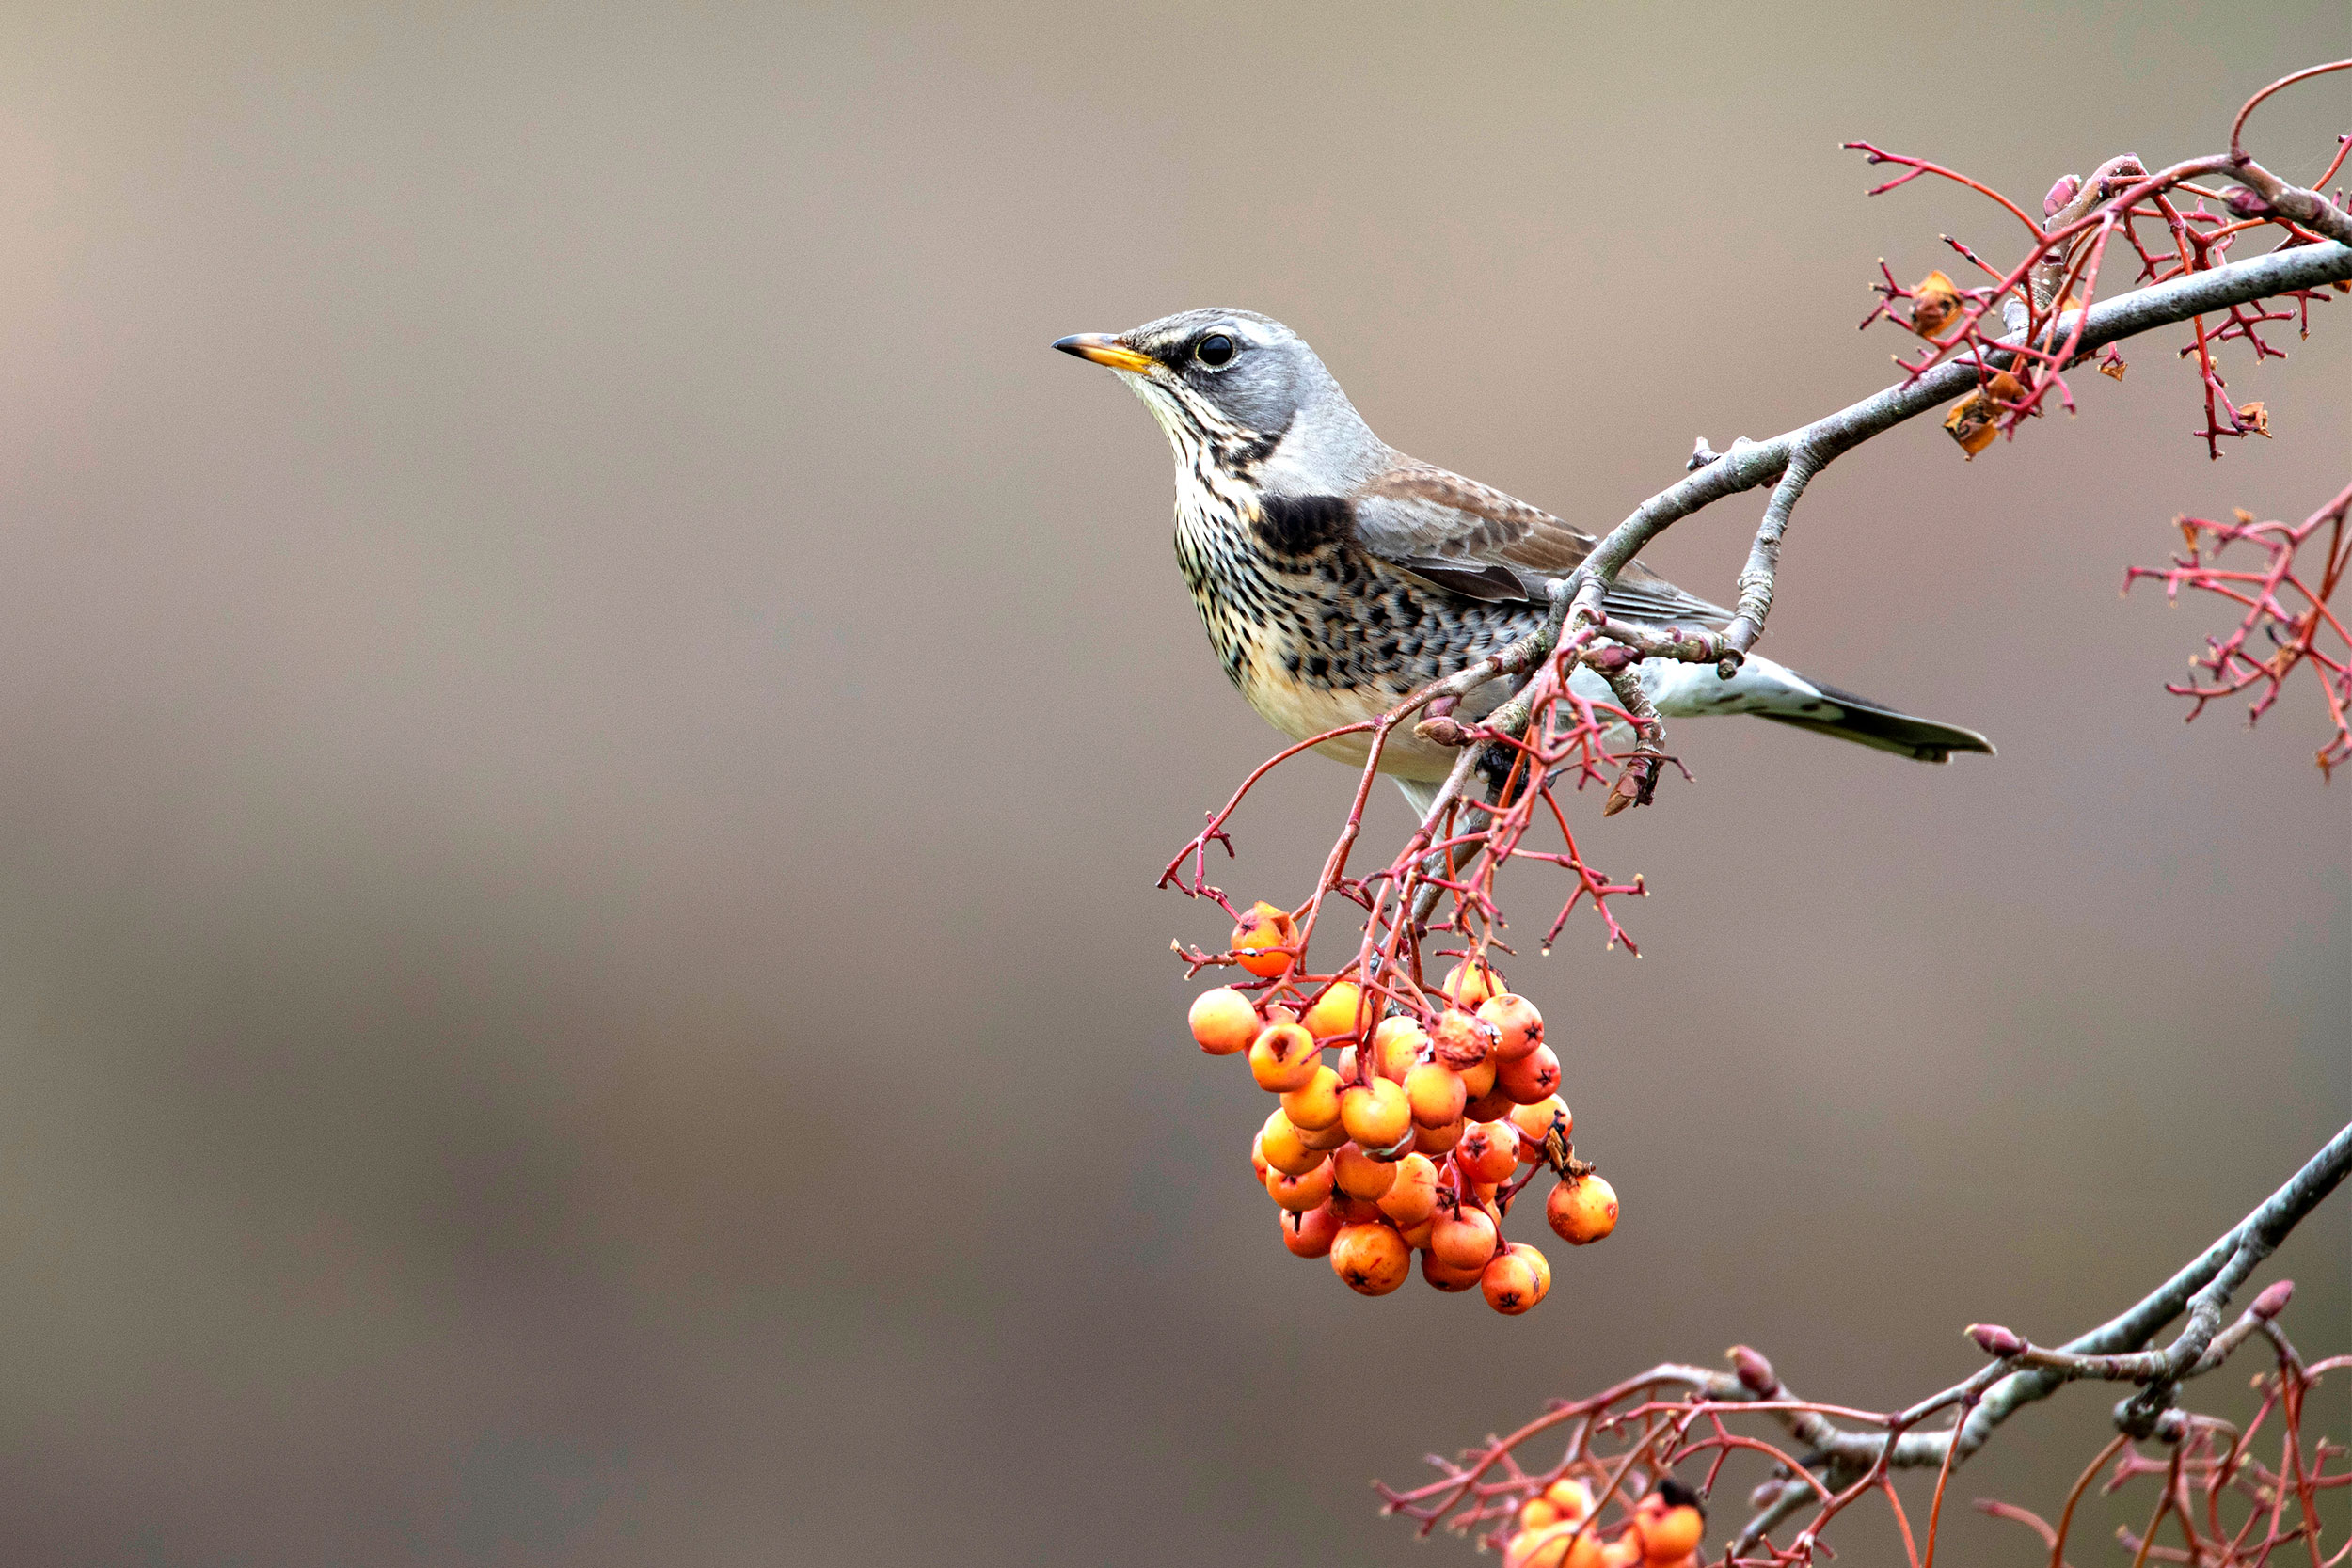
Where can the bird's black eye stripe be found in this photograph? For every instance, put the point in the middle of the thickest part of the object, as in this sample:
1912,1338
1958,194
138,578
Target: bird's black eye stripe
1215,350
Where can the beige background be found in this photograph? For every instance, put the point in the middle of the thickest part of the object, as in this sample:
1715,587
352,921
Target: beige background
590,716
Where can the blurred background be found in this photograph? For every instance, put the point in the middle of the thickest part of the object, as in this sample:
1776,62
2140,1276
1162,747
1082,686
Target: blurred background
590,716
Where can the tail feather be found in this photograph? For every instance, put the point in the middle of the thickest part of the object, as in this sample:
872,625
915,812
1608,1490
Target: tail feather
1774,691
1869,723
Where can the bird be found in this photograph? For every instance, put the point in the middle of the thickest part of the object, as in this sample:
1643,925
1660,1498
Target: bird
1335,574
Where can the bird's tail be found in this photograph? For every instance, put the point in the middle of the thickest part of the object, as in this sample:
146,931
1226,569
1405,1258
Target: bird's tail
1869,723
1774,691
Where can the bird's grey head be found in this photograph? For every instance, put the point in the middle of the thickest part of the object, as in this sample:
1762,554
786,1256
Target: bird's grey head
1248,392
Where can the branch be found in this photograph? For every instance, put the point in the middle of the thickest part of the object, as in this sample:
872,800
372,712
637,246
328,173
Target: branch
1804,452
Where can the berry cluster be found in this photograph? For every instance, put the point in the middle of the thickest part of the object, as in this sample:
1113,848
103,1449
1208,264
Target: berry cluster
1556,1530
1420,1135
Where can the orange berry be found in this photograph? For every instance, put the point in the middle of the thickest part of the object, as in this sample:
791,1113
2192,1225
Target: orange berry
1536,1513
1416,1236
1489,1150
1467,984
1375,1114
1434,1093
1335,1012
1494,1106
1260,940
1535,1262
1354,1211
1462,1238
1571,1496
1324,1139
1582,1211
1257,1156
1669,1533
1519,1027
1315,1103
1310,1190
1223,1022
1279,1146
1535,1121
1434,1141
1508,1283
1282,1057
1309,1234
1479,1079
1534,1076
1373,1259
1360,1175
1555,1545
1445,1276
1412,1195
1397,1044
1624,1552
1461,1040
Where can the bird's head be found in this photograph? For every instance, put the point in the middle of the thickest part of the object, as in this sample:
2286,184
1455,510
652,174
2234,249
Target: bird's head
1243,387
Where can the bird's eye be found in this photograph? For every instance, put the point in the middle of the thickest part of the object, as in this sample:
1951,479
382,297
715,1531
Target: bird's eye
1213,350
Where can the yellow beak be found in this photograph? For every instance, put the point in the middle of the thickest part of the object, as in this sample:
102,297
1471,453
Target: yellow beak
1106,350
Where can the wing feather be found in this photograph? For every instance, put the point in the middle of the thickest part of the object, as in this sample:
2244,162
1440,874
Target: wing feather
1473,540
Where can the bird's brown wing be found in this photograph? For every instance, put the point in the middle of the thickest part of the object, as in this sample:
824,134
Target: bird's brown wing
1472,540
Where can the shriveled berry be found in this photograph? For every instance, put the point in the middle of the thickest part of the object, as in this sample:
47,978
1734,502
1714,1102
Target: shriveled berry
1462,1040
1372,1259
1282,1057
1262,939
1582,1211
1223,1022
1519,1027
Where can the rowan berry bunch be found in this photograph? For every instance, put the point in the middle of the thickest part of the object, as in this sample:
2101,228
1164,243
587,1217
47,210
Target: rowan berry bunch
1420,1132
1559,1527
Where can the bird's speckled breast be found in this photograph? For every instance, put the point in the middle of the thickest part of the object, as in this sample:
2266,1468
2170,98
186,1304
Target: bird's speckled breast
1317,633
